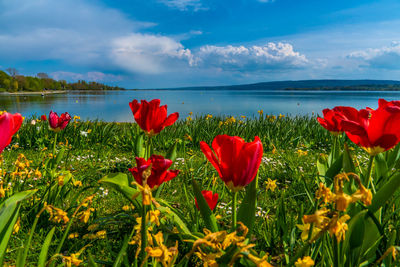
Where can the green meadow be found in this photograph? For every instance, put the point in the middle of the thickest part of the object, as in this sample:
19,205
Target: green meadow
85,171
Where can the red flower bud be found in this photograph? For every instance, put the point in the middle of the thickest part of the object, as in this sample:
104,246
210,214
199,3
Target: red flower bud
151,117
211,199
159,170
58,123
236,161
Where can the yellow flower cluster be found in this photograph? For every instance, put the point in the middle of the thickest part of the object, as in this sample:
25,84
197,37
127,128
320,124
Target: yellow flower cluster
56,215
160,252
23,170
325,219
211,247
152,218
304,262
270,185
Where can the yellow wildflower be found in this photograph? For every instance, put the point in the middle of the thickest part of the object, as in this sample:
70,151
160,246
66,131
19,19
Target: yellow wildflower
261,112
305,228
325,193
17,226
56,215
302,152
188,137
72,260
304,262
270,185
209,116
101,234
60,180
2,191
391,250
161,253
77,183
318,218
84,215
338,227
73,235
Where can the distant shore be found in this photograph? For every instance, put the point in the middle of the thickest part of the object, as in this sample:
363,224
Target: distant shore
36,93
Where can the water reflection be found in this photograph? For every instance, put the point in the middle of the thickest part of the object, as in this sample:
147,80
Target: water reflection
113,105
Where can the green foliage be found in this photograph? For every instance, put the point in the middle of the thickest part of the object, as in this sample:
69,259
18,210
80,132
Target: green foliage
43,82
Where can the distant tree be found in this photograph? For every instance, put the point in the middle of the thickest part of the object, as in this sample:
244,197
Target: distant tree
13,71
42,75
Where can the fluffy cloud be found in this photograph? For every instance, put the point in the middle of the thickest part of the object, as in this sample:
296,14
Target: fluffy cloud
89,76
149,54
184,5
387,57
241,58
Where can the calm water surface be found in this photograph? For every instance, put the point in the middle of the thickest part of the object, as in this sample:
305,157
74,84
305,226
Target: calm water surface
113,105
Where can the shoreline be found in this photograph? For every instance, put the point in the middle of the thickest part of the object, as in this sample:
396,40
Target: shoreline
35,93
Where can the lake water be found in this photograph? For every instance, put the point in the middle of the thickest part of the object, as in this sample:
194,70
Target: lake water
113,105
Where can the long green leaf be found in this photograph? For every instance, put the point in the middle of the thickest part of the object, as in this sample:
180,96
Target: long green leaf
120,182
385,193
247,210
45,248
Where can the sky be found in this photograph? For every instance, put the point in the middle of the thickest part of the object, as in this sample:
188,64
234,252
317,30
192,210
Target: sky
176,43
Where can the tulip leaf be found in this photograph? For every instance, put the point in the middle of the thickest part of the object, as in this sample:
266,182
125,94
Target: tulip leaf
393,156
247,210
9,211
384,193
322,166
335,168
139,149
205,211
174,217
348,164
171,154
45,248
381,167
120,182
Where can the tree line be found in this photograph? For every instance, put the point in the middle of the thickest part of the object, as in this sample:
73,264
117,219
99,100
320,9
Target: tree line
14,82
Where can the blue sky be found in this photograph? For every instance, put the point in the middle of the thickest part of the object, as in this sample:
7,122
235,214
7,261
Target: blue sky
172,43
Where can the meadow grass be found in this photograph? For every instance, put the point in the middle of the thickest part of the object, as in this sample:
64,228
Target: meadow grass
94,149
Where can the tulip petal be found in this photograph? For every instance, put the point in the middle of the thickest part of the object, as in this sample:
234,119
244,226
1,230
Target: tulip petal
210,156
171,119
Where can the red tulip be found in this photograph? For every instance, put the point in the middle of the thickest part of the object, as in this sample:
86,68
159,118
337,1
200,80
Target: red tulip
9,125
236,161
211,199
58,123
333,117
43,118
151,117
375,130
159,170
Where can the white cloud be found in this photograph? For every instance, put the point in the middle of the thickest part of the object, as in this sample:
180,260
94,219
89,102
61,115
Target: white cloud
251,58
386,57
266,1
149,54
184,5
89,76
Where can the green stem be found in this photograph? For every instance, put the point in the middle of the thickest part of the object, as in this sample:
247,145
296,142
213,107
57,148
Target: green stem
234,204
369,171
54,145
144,234
28,243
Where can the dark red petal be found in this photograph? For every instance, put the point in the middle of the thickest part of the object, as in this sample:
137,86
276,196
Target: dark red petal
248,162
205,148
135,106
227,149
171,119
386,141
53,120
